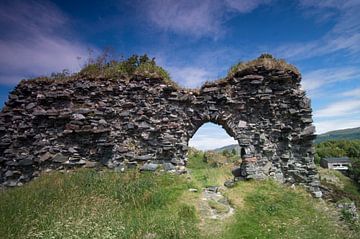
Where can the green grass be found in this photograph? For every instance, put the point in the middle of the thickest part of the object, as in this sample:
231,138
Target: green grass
90,204
273,211
342,187
206,174
134,65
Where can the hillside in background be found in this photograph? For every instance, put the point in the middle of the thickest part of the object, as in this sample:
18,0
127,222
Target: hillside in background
229,148
353,133
348,134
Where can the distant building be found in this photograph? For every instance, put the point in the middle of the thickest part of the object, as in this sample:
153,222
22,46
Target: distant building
341,164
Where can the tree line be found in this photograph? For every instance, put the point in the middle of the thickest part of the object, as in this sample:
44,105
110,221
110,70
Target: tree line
341,148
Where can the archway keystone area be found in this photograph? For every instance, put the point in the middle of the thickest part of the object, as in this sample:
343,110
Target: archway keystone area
124,121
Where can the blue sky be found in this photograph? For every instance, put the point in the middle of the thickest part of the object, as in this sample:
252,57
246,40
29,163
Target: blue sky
195,40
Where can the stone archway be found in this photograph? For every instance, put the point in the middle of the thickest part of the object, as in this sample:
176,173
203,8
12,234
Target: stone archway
122,121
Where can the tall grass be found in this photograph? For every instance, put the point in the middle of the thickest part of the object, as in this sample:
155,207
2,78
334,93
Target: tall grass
90,204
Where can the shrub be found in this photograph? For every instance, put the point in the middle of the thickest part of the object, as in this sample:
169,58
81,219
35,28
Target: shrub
103,65
266,60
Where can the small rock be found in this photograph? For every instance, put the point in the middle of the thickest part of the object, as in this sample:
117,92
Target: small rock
26,162
144,157
60,158
78,117
193,190
40,96
90,164
72,150
149,167
73,162
150,235
30,106
120,169
102,121
214,189
236,172
9,173
169,166
181,169
229,183
131,164
45,157
11,183
317,194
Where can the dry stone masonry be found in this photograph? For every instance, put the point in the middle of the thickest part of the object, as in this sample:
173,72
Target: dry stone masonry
122,122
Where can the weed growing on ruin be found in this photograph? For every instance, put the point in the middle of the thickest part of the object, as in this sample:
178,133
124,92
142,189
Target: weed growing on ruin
266,60
105,66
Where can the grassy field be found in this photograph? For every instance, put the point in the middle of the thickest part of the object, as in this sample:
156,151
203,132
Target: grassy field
90,204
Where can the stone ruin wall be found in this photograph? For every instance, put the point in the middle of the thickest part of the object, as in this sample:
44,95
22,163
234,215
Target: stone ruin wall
118,122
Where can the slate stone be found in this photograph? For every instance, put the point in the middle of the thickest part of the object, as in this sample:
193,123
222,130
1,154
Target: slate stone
26,162
130,120
144,157
229,183
59,158
78,117
236,172
45,157
149,167
169,166
9,173
131,164
30,106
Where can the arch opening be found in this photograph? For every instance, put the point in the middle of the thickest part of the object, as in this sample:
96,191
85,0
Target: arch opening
211,146
211,136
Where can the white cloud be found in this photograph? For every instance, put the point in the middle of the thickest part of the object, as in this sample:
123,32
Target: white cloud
352,93
31,16
330,125
211,143
195,17
339,109
192,67
190,76
211,136
192,17
33,43
329,3
345,34
42,55
314,80
245,6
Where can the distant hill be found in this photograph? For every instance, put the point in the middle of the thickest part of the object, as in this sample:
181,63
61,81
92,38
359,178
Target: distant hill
229,148
353,133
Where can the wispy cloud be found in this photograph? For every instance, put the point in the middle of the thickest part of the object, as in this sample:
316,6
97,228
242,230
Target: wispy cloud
33,42
330,125
245,6
210,143
320,78
195,17
345,34
339,109
352,93
191,76
192,67
211,136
